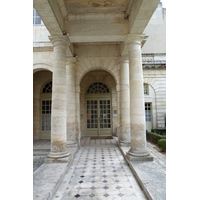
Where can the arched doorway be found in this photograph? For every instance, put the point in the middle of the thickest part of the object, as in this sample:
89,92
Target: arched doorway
42,91
98,103
98,109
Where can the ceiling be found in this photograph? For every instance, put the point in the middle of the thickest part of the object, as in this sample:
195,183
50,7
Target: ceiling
95,6
93,22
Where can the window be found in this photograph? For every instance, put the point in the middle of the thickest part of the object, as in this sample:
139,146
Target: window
97,87
36,18
47,88
148,112
146,88
46,106
46,115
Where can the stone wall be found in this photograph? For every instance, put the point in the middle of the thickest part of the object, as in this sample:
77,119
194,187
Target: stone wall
156,78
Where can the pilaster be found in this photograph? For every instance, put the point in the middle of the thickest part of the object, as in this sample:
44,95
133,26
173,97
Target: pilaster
71,102
124,102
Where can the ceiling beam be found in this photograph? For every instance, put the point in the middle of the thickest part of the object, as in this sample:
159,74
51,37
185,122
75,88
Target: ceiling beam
46,13
96,30
97,38
140,14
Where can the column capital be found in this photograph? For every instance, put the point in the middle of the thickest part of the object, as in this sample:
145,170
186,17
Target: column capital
134,39
59,40
77,89
71,60
118,88
124,59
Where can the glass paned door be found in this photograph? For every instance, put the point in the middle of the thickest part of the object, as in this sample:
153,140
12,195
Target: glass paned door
92,114
45,119
46,115
104,114
98,117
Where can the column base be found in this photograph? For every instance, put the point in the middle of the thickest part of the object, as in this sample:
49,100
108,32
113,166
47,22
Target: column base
124,143
58,155
139,156
57,160
72,144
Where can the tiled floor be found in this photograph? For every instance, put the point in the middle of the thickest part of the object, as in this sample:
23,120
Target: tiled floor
99,171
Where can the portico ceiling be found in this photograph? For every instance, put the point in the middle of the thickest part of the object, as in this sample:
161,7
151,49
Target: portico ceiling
94,21
94,6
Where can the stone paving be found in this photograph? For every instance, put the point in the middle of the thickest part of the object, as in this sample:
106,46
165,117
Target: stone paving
40,150
151,175
99,171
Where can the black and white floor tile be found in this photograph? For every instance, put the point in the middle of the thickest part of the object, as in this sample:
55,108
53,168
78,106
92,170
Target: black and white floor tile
99,172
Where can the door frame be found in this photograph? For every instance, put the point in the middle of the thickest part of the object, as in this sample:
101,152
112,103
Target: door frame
98,97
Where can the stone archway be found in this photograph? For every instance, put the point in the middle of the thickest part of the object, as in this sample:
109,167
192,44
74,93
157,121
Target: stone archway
40,78
98,76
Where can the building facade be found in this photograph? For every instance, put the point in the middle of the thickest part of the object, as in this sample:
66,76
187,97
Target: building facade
99,69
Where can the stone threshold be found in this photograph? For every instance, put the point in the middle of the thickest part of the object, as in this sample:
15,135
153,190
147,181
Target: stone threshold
47,178
150,179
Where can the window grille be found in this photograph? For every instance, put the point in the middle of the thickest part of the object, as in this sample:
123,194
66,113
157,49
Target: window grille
46,115
98,87
46,107
146,88
47,88
148,112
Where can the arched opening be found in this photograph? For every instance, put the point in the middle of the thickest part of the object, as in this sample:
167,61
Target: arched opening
46,94
98,87
98,99
42,91
150,106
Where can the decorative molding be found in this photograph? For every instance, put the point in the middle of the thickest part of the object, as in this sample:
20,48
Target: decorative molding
157,60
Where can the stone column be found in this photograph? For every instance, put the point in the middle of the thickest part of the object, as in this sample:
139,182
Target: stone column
137,111
58,109
78,133
71,101
125,102
118,112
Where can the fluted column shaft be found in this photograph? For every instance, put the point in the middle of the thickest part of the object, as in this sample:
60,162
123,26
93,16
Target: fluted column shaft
137,111
125,101
58,110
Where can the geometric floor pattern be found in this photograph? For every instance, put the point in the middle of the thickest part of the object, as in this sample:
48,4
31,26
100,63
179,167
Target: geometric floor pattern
99,171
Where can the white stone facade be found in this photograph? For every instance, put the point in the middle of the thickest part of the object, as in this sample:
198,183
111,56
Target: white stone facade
122,67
